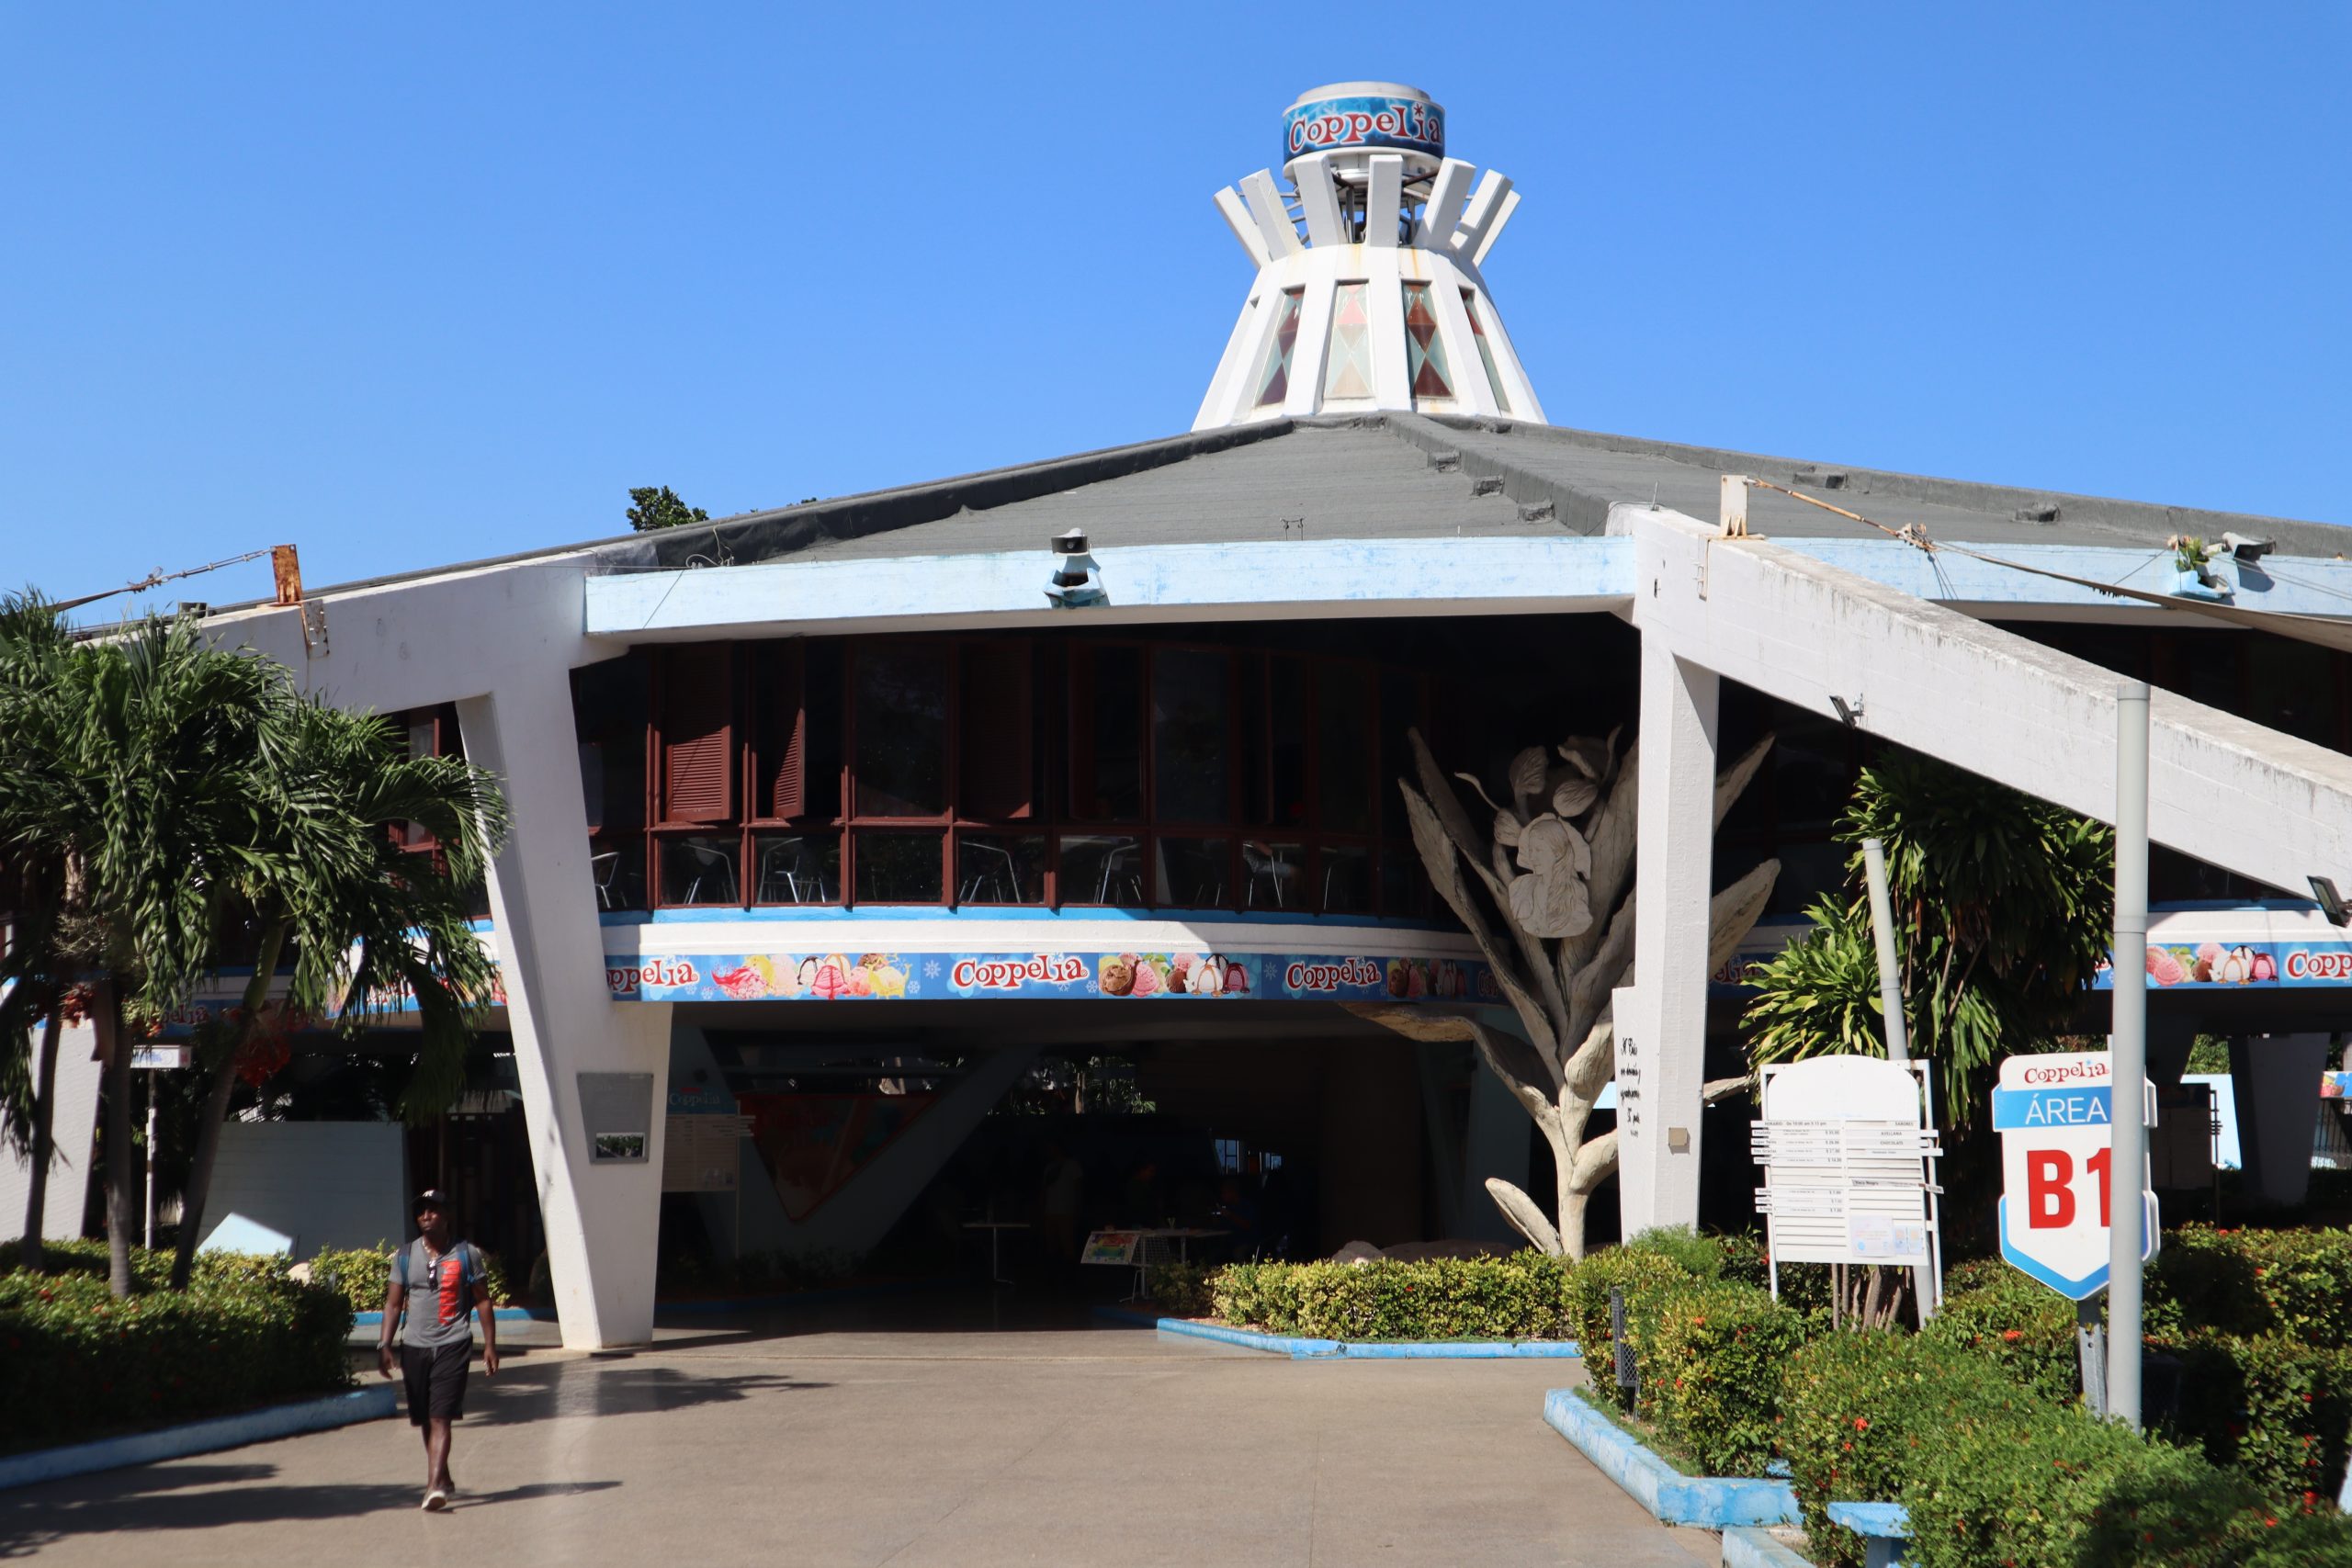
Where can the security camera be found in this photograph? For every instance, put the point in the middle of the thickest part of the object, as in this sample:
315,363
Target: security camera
2247,548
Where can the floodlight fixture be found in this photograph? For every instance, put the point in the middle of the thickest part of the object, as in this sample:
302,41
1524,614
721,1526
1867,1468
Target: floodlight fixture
2331,902
1848,714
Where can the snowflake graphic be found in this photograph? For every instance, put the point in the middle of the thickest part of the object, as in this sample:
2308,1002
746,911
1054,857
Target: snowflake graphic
931,970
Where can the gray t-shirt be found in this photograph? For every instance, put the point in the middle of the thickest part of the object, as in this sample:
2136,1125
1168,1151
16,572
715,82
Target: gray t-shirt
439,1307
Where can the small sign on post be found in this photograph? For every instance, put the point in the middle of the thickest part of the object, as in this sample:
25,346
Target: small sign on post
2054,1116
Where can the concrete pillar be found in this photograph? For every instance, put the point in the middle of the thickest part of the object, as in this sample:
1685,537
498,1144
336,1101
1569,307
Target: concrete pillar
1662,1016
2275,1080
602,1217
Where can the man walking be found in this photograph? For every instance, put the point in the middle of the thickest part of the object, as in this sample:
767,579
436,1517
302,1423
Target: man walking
438,1340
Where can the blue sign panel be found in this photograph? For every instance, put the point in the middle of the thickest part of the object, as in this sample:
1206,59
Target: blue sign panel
1356,124
1186,976
2016,1109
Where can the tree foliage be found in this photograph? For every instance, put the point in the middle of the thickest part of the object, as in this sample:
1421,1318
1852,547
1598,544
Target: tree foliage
175,792
654,507
2002,906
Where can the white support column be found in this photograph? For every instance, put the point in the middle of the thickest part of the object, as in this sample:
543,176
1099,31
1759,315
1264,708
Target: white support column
601,1219
1662,1016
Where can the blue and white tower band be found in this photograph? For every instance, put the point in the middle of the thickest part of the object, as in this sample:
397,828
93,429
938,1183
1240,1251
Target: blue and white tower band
1370,292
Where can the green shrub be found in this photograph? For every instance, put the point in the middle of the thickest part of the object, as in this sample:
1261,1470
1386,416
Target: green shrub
2249,1282
1632,1269
1857,1408
2272,1407
1712,1355
75,1363
1180,1290
1524,1296
1805,1286
1700,1257
2054,1489
2025,1328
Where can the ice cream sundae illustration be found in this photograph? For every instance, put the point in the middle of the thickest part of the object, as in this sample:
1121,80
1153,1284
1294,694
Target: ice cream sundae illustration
1115,974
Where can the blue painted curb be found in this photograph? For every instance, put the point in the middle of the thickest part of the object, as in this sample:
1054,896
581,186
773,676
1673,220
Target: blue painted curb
200,1437
1716,1502
1304,1349
1745,1546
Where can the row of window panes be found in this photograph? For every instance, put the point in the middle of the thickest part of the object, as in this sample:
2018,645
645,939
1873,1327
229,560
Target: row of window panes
909,866
1347,369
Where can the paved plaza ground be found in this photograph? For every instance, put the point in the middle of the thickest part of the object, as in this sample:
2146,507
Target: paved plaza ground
908,1433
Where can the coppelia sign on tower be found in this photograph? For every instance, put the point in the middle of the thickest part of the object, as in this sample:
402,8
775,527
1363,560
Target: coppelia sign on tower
1362,117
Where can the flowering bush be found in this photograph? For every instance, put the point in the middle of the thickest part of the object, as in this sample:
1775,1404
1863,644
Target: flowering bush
1712,1355
2023,1327
76,1363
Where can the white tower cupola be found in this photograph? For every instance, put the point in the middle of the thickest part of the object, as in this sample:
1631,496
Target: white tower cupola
1369,293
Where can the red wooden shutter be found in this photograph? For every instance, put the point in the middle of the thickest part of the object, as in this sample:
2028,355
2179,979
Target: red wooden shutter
783,749
697,734
993,733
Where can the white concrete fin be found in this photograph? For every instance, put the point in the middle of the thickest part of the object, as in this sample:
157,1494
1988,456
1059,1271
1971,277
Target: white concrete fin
1244,226
1495,225
1483,206
1273,218
1318,200
1383,200
1443,208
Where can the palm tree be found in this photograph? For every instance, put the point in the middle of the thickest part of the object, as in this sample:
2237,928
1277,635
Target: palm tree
368,926
37,967
2001,907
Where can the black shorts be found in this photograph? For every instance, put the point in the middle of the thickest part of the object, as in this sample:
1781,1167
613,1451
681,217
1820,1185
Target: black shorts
436,1376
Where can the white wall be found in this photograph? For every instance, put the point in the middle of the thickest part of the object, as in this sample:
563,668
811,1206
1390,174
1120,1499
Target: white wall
325,1184
72,1123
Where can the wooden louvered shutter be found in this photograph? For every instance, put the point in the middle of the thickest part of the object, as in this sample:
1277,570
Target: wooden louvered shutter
783,739
697,734
993,730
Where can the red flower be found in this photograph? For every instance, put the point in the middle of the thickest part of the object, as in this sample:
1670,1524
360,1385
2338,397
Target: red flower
1862,1422
2012,1335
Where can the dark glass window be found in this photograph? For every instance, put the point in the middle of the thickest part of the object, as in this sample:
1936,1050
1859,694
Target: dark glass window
1400,710
1102,868
797,868
1106,734
1347,880
898,868
1286,719
822,689
1345,761
701,869
999,868
902,763
1274,877
1192,715
1257,779
1195,873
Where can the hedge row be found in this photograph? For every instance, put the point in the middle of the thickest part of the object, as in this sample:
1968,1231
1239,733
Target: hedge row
1524,1296
76,1363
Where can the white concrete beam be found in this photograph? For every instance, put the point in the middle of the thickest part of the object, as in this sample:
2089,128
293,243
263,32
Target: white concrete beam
2221,787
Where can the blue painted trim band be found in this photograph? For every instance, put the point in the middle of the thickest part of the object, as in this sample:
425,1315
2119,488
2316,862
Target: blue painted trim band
1748,1547
1715,1502
504,1314
786,914
1305,1349
219,1432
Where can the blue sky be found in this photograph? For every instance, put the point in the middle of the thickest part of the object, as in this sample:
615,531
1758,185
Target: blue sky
412,285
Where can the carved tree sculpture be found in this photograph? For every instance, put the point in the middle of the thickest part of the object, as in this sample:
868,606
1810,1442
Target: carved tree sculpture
1556,925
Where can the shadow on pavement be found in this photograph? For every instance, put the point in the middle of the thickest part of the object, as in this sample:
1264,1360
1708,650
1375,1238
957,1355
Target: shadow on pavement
539,1393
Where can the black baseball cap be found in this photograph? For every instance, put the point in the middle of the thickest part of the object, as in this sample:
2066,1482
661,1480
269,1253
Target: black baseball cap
433,1198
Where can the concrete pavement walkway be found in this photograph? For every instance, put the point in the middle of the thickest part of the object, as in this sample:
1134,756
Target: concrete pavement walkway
909,1436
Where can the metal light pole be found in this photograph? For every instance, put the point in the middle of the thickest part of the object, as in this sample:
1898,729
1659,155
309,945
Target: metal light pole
1890,985
1897,1028
2127,1126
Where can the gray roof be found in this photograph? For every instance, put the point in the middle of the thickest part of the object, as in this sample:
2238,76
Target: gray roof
1399,476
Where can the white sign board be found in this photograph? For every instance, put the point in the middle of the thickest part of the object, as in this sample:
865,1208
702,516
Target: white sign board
1846,1147
2054,1119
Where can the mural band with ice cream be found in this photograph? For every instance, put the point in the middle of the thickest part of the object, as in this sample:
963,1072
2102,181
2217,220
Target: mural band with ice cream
1197,975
